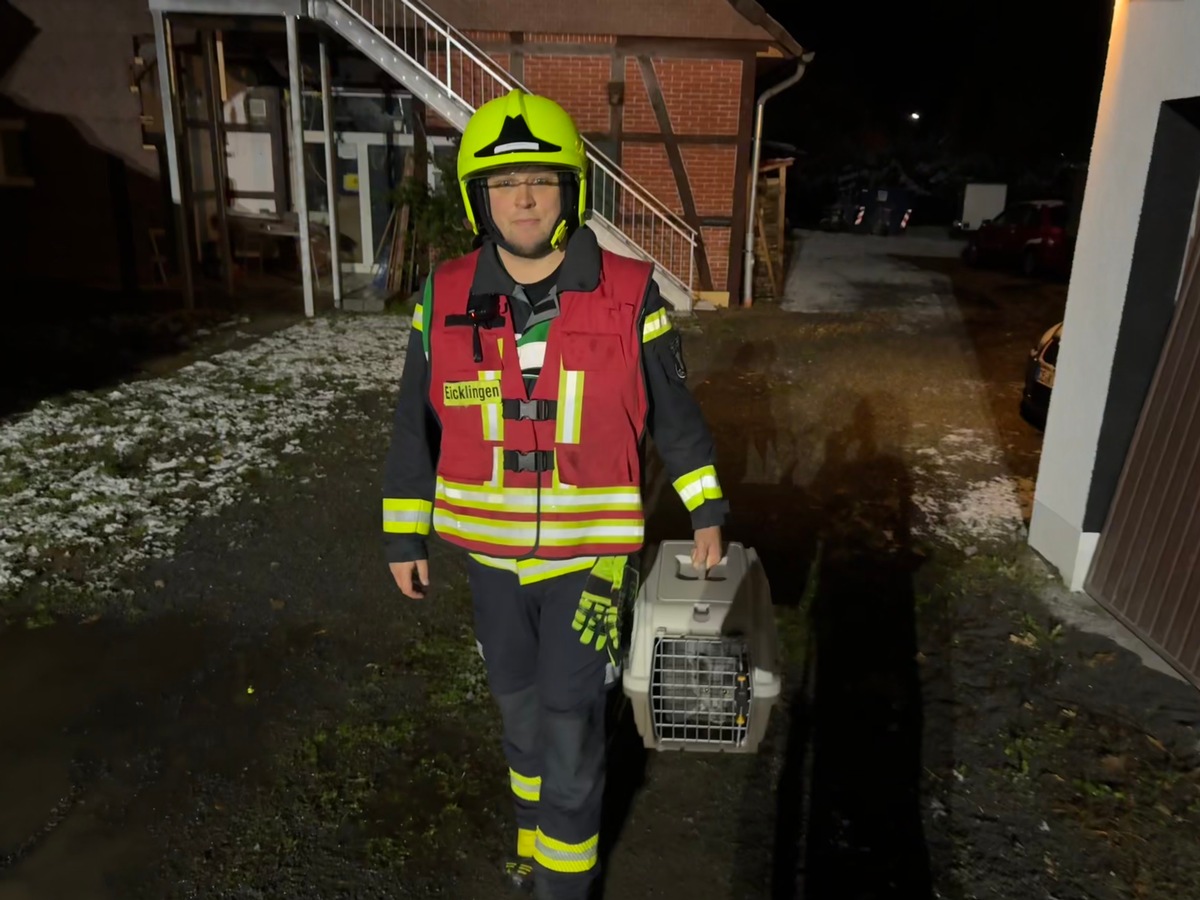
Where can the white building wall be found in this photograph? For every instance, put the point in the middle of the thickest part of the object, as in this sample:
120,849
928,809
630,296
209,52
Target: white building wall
78,66
1152,58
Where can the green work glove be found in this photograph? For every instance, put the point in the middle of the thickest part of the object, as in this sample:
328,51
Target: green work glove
598,618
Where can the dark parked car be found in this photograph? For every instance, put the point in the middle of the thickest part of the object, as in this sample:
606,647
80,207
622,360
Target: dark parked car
1039,377
1030,236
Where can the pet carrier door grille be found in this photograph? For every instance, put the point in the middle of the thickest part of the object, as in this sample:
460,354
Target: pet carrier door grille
701,690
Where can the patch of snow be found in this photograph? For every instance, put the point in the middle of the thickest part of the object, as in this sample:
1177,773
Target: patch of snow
964,493
126,469
840,272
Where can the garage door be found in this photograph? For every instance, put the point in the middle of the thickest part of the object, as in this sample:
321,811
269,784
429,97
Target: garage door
1147,565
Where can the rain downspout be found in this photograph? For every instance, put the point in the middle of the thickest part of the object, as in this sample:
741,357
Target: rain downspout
748,271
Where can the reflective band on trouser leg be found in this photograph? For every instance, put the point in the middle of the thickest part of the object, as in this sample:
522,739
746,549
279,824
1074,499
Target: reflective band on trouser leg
521,716
407,516
526,842
566,858
697,486
526,788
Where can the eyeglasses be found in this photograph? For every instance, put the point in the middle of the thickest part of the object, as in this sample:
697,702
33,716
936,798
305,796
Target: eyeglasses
507,184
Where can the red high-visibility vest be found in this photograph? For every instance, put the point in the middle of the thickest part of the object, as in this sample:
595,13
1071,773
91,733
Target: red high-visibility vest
555,474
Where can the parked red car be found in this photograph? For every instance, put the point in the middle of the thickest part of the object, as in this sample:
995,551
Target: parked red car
1030,236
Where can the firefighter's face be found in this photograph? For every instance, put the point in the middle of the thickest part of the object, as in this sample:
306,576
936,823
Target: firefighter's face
526,206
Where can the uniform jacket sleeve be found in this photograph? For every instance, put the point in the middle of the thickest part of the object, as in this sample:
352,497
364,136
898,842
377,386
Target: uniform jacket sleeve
675,422
409,470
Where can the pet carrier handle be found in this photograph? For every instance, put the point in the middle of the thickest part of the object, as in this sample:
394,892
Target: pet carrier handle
685,571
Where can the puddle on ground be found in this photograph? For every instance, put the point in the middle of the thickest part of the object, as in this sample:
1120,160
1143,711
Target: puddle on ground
103,728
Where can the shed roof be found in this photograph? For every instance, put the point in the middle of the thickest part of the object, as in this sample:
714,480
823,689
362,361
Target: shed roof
695,19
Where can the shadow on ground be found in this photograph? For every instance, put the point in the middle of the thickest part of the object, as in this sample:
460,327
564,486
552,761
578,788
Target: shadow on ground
835,790
1003,316
84,339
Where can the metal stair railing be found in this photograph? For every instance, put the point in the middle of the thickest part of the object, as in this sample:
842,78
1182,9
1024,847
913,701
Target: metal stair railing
470,78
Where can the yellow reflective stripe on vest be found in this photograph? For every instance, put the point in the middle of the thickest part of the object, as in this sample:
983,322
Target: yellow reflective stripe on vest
488,531
593,531
492,413
697,486
407,516
570,407
656,325
561,500
531,571
559,856
523,534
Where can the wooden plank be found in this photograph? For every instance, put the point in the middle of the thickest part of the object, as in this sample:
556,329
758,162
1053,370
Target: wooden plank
764,252
1147,564
783,221
716,298
400,237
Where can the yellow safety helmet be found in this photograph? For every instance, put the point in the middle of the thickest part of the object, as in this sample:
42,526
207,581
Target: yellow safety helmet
522,129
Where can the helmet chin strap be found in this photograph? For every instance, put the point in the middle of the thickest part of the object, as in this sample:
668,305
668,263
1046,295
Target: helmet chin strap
558,238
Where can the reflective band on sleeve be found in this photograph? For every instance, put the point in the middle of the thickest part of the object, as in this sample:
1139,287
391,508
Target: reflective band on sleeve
558,856
697,486
656,325
570,407
418,318
493,413
526,788
407,516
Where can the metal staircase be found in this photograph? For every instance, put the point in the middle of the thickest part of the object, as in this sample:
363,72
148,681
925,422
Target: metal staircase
453,77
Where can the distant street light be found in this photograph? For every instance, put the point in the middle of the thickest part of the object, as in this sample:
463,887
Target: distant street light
916,117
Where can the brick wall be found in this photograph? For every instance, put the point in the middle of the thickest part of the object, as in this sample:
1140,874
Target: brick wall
649,166
712,173
469,79
537,38
702,96
639,114
716,243
578,83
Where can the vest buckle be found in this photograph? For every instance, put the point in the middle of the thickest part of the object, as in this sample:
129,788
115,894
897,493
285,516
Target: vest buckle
534,410
529,461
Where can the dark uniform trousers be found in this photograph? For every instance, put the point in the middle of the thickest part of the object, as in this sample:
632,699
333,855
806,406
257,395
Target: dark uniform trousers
551,692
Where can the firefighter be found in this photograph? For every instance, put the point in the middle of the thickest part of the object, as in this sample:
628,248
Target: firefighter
536,365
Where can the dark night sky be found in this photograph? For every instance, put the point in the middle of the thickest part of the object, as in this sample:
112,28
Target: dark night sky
1018,79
